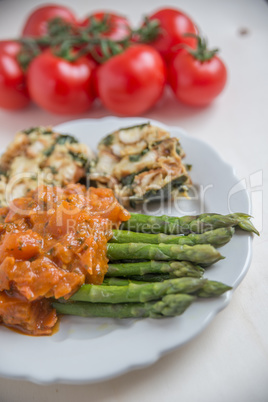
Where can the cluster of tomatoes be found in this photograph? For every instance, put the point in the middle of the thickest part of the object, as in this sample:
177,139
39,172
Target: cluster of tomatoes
70,63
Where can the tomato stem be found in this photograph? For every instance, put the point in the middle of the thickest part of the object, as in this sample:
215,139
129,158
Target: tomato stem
148,32
201,53
63,37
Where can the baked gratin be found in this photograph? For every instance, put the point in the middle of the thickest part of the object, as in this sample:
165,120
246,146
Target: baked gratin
41,156
141,163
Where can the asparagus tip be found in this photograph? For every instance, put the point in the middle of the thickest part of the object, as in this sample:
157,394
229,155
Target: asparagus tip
248,226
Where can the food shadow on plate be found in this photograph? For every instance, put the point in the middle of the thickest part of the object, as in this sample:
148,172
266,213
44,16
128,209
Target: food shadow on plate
84,328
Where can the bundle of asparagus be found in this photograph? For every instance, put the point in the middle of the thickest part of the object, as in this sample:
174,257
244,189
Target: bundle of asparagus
158,273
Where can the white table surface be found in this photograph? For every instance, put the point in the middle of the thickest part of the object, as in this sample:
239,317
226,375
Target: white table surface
228,361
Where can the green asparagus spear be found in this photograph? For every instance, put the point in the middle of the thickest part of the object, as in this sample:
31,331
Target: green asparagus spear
155,277
175,269
200,253
120,281
126,281
168,306
140,278
186,224
212,289
133,293
216,238
208,289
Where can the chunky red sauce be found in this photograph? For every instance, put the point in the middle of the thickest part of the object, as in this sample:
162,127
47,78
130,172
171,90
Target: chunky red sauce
51,242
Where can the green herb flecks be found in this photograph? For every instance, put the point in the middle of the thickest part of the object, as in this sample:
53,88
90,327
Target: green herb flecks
137,157
79,158
140,126
108,140
128,180
63,138
30,130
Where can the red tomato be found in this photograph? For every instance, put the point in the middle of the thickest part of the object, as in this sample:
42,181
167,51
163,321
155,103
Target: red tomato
174,24
132,82
13,90
119,26
60,86
196,82
36,24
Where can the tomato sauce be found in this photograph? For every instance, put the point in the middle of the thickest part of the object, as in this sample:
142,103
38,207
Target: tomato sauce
51,242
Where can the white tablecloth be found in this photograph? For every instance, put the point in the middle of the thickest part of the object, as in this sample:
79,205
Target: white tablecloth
228,361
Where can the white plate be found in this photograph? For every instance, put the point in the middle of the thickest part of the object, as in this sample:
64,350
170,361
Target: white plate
90,350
